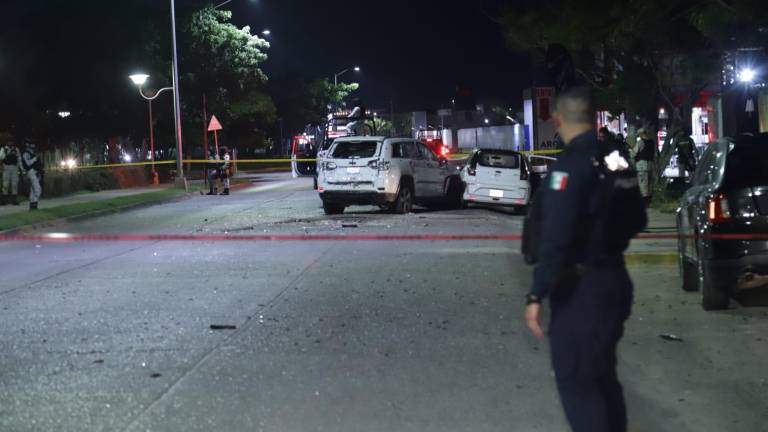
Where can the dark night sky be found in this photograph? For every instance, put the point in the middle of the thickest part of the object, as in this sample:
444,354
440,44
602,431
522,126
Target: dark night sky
413,51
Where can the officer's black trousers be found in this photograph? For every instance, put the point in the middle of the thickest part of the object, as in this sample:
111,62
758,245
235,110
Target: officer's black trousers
588,315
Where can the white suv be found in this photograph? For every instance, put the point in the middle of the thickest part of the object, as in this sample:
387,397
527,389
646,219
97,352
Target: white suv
497,177
393,173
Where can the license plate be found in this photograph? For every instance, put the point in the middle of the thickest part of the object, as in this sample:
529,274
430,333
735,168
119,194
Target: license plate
353,170
496,193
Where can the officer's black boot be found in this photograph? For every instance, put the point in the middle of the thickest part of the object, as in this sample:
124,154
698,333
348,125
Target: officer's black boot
212,191
226,191
32,206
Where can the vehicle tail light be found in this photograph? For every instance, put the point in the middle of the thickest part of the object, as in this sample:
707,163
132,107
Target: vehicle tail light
330,166
444,150
718,210
471,170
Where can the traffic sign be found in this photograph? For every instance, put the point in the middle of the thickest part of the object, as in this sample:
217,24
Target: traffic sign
215,125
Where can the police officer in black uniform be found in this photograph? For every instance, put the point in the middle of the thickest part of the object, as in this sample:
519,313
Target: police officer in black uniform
590,208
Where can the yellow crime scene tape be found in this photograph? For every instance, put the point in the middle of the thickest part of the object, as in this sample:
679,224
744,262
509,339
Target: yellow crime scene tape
246,161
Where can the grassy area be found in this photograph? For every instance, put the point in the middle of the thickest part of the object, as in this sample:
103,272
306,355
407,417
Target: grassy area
25,217
667,199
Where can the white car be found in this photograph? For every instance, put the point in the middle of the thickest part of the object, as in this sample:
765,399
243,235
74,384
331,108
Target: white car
393,173
498,177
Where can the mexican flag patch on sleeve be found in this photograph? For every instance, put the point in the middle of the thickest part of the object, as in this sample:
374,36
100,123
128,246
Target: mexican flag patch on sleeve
558,181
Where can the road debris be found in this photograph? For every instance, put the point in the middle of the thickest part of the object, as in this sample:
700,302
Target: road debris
671,337
223,327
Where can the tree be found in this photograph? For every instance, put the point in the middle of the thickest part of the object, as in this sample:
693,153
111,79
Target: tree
303,101
226,73
637,54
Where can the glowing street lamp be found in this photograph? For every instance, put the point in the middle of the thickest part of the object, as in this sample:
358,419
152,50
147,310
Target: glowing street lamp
747,75
337,75
140,79
267,32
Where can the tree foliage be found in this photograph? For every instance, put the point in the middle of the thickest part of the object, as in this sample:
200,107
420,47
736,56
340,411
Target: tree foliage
637,54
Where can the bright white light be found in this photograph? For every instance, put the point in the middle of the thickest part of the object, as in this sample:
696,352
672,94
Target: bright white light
746,75
375,114
127,158
58,236
64,114
139,79
266,32
357,68
71,163
662,110
487,121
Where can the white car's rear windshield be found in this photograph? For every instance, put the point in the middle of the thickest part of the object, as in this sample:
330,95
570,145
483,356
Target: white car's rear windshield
498,159
355,149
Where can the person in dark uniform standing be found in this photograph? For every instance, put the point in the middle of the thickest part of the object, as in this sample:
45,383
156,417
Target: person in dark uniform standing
590,209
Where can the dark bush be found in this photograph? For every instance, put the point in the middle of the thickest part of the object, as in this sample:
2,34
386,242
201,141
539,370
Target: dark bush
60,183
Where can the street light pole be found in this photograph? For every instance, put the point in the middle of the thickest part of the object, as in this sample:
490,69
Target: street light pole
140,80
152,143
337,75
176,98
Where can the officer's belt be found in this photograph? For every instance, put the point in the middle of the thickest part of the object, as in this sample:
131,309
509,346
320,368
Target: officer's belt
579,270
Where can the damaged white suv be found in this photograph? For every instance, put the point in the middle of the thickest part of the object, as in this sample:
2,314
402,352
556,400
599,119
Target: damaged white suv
393,173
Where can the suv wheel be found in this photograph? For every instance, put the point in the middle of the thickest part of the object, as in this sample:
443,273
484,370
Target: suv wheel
333,208
714,295
404,202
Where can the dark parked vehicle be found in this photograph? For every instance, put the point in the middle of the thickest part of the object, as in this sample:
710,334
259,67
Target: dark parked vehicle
723,219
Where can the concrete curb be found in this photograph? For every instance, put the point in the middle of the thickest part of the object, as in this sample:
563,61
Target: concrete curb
651,258
95,214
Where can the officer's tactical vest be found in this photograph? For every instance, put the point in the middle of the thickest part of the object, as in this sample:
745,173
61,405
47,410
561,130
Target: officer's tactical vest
616,212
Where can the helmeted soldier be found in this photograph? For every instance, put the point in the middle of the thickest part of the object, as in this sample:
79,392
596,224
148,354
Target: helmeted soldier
589,209
645,158
225,169
10,158
213,171
32,167
686,153
357,117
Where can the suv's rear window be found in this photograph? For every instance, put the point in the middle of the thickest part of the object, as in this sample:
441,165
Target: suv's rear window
747,165
498,159
353,150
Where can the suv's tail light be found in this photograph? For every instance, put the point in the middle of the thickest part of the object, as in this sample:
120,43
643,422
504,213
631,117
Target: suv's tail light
471,170
717,209
330,166
379,165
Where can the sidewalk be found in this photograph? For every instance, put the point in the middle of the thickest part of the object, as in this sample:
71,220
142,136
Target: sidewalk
80,198
660,251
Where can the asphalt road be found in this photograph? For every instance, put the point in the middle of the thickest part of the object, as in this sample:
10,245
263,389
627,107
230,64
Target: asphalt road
332,336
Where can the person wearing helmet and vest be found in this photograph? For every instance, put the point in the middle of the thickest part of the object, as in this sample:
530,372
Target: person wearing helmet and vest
357,119
10,158
225,169
33,171
645,157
